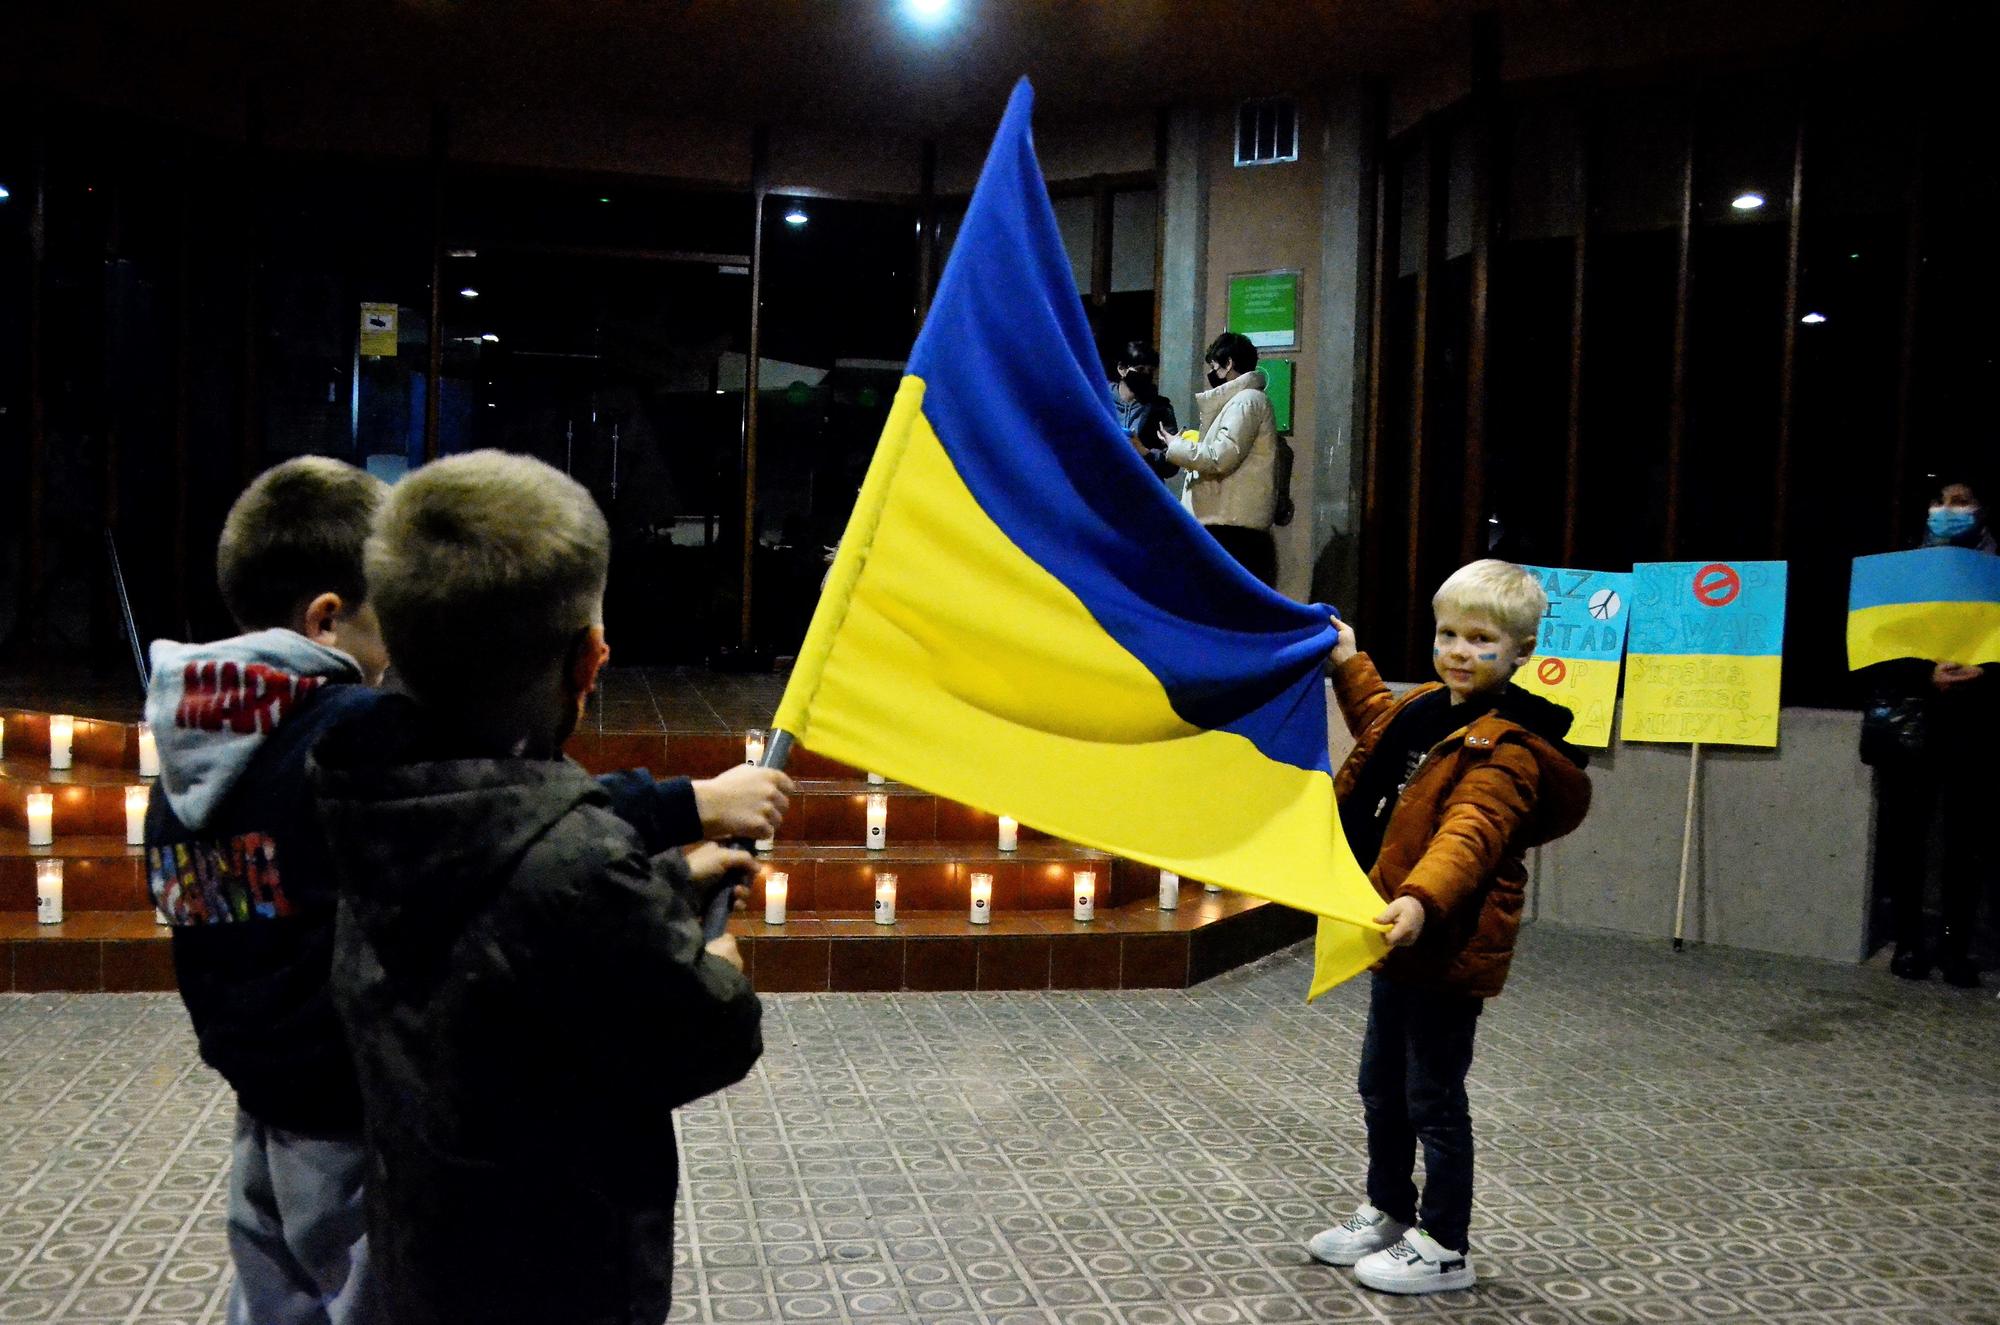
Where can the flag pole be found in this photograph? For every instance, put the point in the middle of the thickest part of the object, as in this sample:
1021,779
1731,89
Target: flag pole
1687,844
722,902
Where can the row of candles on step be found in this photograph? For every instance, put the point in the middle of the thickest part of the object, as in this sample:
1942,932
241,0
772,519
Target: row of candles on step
1083,896
62,740
42,808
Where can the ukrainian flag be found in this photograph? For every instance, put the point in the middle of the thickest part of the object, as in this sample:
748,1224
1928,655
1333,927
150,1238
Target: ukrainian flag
1022,619
1940,603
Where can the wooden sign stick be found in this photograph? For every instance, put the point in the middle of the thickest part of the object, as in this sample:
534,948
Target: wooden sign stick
1687,845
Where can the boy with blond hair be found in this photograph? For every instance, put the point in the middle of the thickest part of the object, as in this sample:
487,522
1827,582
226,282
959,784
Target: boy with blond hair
1446,788
522,973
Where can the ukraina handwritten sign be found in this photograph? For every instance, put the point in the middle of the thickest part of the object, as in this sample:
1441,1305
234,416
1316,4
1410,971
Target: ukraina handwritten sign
1705,654
1579,646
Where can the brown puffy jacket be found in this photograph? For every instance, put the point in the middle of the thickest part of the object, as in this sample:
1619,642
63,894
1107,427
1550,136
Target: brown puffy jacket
1456,837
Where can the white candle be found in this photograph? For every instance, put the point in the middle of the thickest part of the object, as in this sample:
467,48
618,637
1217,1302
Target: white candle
876,779
135,815
885,899
1170,891
777,889
753,745
878,822
41,818
48,891
62,730
160,917
1211,887
149,752
1085,907
764,844
3,738
982,899
1010,833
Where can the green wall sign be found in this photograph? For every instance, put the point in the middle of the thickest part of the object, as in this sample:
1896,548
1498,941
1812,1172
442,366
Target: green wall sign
1278,386
1265,307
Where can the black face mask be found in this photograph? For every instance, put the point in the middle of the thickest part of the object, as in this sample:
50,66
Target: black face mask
1214,378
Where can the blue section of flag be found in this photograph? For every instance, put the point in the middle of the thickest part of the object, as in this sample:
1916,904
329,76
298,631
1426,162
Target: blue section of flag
1924,575
1670,617
1015,392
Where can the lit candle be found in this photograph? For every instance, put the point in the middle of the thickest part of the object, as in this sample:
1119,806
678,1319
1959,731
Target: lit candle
878,822
135,815
777,889
1010,833
48,891
41,818
1170,891
160,917
764,844
753,745
982,899
149,752
885,899
876,779
1085,907
62,729
3,738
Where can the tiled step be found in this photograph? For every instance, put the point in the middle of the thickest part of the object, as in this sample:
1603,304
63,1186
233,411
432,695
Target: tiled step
88,799
100,873
936,876
1133,947
699,754
94,744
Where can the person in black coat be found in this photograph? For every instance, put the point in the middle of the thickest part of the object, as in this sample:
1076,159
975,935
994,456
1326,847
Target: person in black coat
1928,730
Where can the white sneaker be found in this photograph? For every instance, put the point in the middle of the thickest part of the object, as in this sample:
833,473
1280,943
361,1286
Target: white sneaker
1366,1230
1417,1264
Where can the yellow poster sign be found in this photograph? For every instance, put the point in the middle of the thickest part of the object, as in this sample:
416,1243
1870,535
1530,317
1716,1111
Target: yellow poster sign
1578,647
1706,652
378,330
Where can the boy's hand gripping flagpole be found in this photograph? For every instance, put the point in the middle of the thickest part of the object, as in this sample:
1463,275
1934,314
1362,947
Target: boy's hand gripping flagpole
721,901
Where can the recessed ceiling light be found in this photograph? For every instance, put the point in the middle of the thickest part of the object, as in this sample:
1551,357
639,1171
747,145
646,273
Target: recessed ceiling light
930,13
490,338
1813,319
795,217
1747,202
468,293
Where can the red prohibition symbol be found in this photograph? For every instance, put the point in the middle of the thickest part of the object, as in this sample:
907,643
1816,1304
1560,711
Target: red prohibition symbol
1552,671
1717,585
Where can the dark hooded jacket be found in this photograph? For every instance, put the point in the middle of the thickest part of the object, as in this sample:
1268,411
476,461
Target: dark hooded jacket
527,997
1461,824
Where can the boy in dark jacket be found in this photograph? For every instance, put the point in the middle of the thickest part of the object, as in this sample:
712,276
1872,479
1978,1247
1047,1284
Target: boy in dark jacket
1446,788
522,973
232,862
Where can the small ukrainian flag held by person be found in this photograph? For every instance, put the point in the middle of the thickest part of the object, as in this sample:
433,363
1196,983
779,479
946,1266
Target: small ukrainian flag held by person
1939,603
1021,618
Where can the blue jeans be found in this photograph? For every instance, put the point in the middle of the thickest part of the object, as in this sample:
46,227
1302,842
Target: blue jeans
1414,1057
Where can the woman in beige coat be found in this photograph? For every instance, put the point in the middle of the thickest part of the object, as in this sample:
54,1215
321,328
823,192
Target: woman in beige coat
1232,467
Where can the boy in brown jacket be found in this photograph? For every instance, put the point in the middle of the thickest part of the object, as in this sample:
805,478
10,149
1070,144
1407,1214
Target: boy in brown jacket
1448,785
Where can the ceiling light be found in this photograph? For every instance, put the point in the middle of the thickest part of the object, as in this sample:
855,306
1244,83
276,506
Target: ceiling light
795,217
930,13
1813,319
468,293
5,193
490,338
1747,202
462,253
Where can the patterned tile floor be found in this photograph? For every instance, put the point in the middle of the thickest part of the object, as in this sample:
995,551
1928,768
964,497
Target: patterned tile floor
1710,1137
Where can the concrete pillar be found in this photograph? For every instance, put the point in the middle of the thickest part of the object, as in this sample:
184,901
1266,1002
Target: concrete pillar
1183,257
1340,342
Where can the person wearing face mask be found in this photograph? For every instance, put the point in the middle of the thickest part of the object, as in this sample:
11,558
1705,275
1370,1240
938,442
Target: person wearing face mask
1928,731
1232,467
521,972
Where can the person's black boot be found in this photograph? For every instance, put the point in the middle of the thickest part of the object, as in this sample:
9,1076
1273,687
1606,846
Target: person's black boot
1955,962
1911,962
